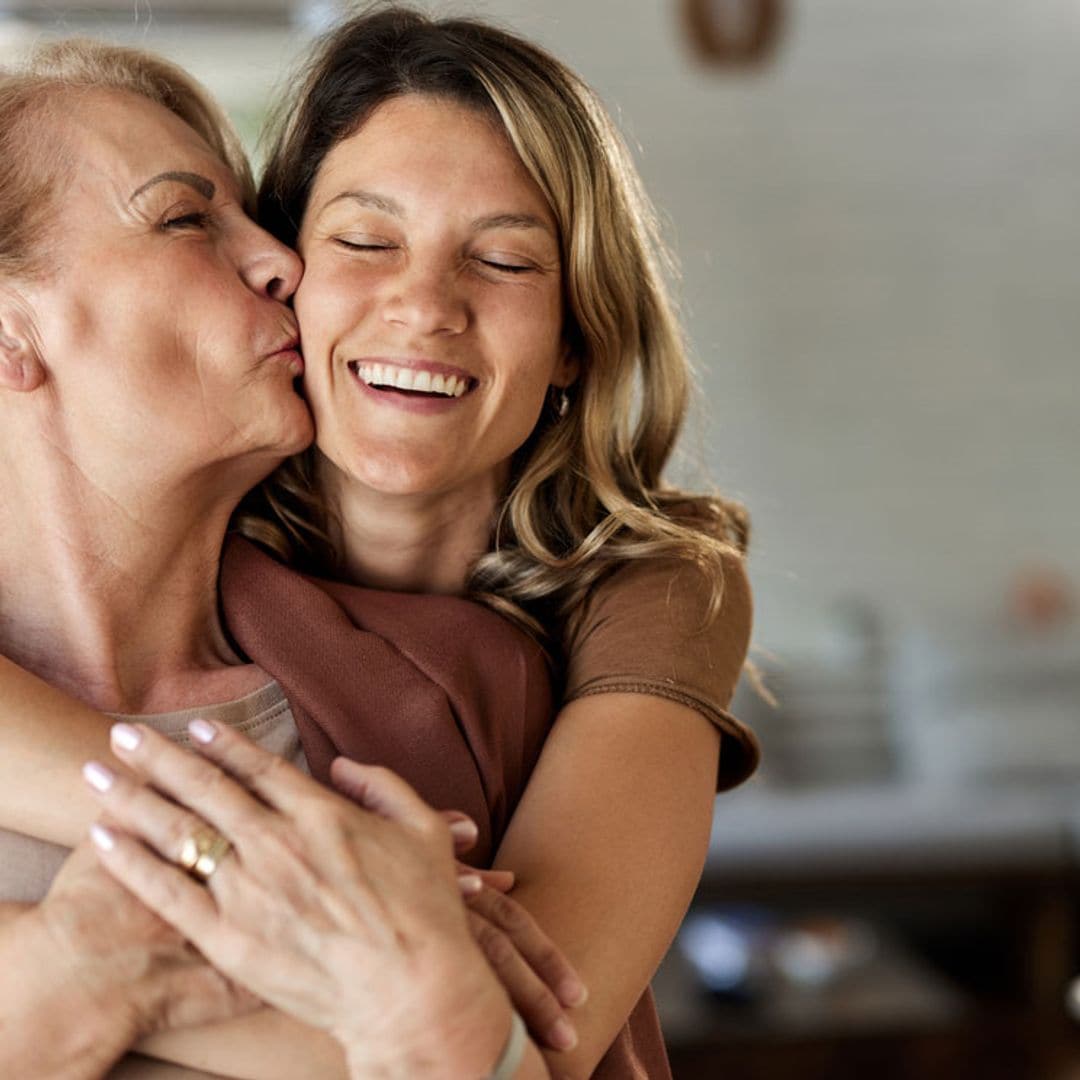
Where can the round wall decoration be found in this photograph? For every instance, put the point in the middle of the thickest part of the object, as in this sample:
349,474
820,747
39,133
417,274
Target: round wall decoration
734,33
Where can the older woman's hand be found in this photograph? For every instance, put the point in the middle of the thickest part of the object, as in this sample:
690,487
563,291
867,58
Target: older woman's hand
531,967
90,971
346,919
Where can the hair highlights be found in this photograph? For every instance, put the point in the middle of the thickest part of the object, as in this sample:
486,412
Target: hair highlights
586,491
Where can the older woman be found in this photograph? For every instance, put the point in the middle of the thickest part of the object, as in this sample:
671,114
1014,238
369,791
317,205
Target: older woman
481,312
147,360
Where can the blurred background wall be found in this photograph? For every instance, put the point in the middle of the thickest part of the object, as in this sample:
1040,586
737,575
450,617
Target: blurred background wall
881,282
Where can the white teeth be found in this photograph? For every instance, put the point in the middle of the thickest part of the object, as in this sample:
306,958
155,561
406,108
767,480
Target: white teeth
402,378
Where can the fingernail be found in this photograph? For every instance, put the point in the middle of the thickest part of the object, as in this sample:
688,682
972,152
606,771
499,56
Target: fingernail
563,1035
102,838
202,730
470,884
503,880
464,831
97,776
573,992
125,736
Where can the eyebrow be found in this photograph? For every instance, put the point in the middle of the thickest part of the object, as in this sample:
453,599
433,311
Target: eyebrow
490,221
204,187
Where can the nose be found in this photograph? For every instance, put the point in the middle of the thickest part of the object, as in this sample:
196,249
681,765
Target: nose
426,300
268,267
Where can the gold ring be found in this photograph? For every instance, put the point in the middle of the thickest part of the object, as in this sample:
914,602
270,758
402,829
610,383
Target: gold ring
202,852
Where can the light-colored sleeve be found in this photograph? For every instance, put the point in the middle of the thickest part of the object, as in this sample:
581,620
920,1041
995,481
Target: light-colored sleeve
646,629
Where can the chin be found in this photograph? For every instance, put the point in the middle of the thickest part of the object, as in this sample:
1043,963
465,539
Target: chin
399,482
296,430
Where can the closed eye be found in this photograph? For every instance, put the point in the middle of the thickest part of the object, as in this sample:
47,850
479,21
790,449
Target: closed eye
361,245
507,267
197,219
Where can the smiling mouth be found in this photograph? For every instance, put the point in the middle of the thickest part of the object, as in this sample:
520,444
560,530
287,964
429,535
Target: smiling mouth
412,382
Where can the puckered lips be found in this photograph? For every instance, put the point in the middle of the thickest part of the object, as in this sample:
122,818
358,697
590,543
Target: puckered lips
415,384
287,352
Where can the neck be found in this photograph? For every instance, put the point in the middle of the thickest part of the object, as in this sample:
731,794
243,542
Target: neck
111,594
409,543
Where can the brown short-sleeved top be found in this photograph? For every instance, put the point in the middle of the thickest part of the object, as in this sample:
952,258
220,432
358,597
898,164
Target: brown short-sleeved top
354,663
646,629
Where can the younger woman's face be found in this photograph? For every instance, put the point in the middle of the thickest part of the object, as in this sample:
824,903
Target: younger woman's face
431,303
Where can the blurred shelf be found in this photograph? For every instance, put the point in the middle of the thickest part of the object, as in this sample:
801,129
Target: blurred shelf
896,993
895,829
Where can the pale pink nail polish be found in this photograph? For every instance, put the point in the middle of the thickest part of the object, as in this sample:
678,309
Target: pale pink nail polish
572,992
97,776
125,736
470,884
563,1035
202,730
102,837
464,831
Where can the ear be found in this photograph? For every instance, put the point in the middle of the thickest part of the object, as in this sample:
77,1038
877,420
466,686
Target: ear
21,365
566,369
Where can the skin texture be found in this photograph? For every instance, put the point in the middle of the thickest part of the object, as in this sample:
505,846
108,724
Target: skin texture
134,427
131,426
306,910
426,239
541,983
610,837
91,950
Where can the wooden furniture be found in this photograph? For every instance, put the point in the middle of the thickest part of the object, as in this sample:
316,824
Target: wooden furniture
982,887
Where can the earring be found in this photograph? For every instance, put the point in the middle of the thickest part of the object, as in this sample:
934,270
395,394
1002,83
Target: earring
560,401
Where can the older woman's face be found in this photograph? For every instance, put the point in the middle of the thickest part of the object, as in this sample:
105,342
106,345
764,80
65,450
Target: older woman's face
163,326
431,305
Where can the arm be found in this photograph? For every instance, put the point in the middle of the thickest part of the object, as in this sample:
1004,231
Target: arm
37,999
265,1045
631,779
89,970
345,918
46,736
611,833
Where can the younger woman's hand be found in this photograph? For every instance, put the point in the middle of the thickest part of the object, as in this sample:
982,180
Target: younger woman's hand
541,982
347,919
464,834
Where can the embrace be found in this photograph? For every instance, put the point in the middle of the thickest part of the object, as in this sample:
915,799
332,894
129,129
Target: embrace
335,549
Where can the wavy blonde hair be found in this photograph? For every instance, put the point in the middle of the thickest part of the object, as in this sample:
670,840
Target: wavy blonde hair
586,491
32,159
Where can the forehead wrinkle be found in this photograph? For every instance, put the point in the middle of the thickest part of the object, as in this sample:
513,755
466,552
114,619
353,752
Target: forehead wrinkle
371,201
510,221
506,220
201,184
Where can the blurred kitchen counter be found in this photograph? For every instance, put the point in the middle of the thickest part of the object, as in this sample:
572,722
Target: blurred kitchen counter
760,833
979,883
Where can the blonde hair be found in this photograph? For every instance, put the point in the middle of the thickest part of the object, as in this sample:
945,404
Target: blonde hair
32,165
586,492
